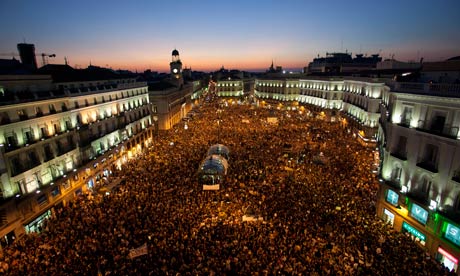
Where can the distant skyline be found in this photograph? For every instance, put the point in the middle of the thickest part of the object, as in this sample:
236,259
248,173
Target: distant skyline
246,35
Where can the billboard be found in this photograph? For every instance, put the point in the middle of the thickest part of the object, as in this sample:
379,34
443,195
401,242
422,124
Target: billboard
392,197
419,213
452,233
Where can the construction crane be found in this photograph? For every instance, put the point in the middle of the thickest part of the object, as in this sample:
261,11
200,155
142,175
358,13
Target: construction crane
45,57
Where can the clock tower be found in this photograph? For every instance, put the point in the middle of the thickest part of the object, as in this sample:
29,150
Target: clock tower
176,68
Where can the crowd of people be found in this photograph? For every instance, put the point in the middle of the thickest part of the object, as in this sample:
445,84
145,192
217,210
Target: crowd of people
314,218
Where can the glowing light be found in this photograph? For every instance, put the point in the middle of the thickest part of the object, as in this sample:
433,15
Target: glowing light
447,255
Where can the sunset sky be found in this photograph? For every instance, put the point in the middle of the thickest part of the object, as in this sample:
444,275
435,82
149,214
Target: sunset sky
239,34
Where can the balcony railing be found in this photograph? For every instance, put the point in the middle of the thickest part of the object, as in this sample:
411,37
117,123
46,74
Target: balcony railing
402,155
445,131
420,196
405,122
394,183
437,89
456,176
429,166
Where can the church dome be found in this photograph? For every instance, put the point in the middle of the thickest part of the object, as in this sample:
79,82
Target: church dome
175,52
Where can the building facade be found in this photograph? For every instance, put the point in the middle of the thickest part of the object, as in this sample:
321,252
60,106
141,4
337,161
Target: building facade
230,88
420,169
172,99
61,139
418,154
354,101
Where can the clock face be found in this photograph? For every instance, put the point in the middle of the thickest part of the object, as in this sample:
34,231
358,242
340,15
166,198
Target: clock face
175,70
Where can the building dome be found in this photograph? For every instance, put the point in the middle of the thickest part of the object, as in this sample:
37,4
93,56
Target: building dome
175,52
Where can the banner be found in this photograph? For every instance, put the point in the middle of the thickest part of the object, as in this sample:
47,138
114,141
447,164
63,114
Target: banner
136,252
272,120
211,187
252,218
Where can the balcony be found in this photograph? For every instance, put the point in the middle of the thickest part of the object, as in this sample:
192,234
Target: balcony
63,149
436,89
456,177
405,122
429,166
11,146
401,155
419,196
446,130
395,183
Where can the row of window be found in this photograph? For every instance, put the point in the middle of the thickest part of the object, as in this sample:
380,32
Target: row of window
29,136
51,108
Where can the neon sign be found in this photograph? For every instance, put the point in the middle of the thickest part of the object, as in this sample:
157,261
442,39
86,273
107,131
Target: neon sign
413,231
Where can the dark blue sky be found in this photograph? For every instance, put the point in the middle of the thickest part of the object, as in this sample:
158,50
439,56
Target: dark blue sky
237,34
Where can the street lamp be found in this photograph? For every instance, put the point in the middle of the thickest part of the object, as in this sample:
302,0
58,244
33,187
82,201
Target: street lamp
155,120
219,111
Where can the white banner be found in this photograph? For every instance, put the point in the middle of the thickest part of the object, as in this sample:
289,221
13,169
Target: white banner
272,120
211,187
136,252
252,218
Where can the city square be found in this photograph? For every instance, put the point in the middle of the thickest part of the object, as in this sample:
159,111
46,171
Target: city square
312,218
229,137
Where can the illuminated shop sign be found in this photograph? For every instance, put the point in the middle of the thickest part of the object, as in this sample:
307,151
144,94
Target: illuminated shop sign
392,197
452,233
413,231
419,213
447,255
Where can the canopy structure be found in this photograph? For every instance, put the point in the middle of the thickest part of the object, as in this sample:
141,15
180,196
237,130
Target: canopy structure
214,164
219,149
212,169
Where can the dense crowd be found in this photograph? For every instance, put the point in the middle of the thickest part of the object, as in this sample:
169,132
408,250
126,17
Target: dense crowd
317,215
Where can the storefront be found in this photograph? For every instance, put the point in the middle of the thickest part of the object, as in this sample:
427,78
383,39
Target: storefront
447,259
90,183
451,233
7,239
415,234
35,226
388,217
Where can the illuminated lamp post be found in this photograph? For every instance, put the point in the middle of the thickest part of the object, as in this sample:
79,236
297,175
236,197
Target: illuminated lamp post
155,120
219,111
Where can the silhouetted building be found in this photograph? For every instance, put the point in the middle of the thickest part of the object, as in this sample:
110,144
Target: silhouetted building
27,54
342,63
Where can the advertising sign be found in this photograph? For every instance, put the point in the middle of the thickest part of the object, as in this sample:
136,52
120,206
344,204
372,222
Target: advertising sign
414,232
392,197
419,213
453,234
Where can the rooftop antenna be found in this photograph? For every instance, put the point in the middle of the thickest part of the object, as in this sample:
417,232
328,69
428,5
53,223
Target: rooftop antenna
341,45
65,61
360,50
